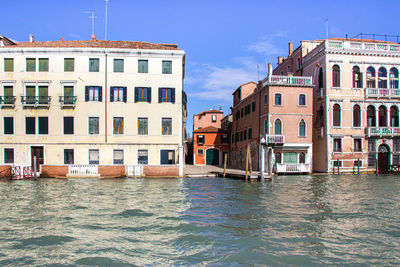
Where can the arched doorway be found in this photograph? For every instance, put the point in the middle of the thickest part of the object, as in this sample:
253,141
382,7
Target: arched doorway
383,158
212,156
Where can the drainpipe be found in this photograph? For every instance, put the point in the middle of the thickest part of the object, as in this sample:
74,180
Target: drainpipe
327,129
105,99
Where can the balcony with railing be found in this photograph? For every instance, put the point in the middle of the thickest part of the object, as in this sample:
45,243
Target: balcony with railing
67,101
36,101
274,140
7,101
287,80
292,168
383,131
382,93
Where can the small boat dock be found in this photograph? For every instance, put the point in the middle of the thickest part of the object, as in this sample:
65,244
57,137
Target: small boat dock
215,171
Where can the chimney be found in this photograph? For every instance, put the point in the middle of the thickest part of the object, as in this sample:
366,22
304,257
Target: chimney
290,48
31,38
93,37
269,69
61,39
280,60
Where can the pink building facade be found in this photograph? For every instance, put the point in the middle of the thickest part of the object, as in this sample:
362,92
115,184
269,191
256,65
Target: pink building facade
207,118
278,115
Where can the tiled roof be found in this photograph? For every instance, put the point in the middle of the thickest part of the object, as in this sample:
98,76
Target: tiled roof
97,44
210,129
208,111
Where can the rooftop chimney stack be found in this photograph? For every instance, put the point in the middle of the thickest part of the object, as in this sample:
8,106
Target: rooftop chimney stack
31,38
280,60
290,48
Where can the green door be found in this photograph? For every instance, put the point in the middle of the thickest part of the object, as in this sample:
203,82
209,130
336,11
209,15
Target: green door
212,157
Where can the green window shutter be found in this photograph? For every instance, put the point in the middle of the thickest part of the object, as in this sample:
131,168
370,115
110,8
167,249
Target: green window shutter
149,94
43,64
278,127
143,66
69,64
100,93
112,94
290,157
173,95
118,65
166,67
94,65
302,128
31,64
160,95
8,64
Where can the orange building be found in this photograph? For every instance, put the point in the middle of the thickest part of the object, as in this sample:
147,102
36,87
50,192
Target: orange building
210,144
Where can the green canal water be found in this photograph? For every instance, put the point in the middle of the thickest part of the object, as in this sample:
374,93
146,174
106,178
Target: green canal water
291,221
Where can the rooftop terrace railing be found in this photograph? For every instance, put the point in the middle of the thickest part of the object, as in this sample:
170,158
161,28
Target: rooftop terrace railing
287,80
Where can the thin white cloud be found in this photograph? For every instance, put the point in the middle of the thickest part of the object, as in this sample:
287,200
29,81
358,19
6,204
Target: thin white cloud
266,46
74,35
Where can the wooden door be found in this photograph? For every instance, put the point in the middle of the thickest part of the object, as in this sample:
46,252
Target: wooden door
39,153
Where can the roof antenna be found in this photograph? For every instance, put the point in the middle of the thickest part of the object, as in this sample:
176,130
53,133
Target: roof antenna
92,16
326,28
105,26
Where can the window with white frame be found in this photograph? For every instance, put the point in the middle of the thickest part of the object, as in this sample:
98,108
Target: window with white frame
118,156
143,157
94,156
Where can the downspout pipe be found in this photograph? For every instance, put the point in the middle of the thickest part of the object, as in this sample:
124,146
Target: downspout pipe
105,98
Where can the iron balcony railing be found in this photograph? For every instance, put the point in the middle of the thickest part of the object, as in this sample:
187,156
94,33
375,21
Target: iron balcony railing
36,101
274,139
7,101
287,80
383,131
67,101
382,92
293,168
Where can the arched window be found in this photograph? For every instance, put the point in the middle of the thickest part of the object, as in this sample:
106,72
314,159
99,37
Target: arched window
356,116
302,100
382,78
371,120
371,78
335,76
278,157
278,99
336,115
278,127
382,116
302,128
394,117
394,78
302,157
357,78
321,79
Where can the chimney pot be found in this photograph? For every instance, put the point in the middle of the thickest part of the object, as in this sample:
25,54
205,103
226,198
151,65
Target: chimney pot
269,69
31,38
290,48
61,39
280,60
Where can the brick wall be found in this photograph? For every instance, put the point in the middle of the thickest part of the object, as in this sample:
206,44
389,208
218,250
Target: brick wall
54,171
4,171
161,171
112,171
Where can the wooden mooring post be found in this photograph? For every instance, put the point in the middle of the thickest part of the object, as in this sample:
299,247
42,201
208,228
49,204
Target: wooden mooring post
225,159
247,162
338,166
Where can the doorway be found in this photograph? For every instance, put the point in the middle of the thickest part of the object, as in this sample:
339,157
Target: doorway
383,159
38,152
212,156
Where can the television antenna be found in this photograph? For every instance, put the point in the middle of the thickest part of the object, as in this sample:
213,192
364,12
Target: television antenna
92,16
105,26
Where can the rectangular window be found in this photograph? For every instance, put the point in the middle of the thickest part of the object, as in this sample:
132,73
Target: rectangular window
142,94
94,65
166,66
68,156
143,66
337,145
241,113
245,134
357,145
371,159
30,125
358,163
118,94
167,156
290,157
43,125
253,106
250,133
31,64
93,125
94,156
372,145
118,156
8,155
68,125
69,64
118,125
8,65
143,126
200,152
118,65
43,95
93,93
30,94
143,157
68,95
396,159
166,95
337,163
43,64
265,99
278,99
8,125
166,126
224,139
200,139
214,118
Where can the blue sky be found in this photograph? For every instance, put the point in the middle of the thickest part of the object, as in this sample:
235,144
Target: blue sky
227,43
